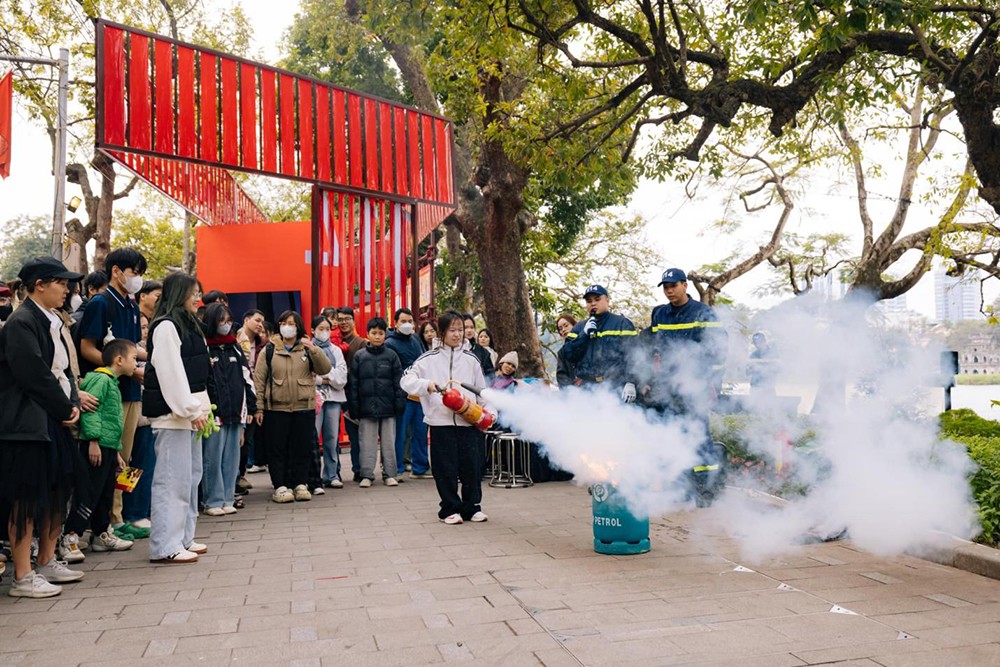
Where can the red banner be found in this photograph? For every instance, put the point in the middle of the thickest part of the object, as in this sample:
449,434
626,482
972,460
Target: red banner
6,114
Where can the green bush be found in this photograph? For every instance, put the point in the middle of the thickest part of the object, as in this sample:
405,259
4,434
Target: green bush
981,438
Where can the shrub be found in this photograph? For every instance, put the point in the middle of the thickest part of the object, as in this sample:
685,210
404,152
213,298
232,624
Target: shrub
981,438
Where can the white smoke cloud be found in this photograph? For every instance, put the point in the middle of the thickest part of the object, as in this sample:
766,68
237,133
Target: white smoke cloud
878,470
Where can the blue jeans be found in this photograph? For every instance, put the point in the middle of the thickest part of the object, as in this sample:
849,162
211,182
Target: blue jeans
175,491
135,505
328,426
412,418
221,458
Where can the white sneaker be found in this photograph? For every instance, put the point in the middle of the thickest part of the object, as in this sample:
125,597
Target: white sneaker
479,517
282,495
335,484
319,491
214,511
365,483
390,481
302,493
33,585
256,469
179,557
56,572
197,548
229,509
452,520
69,549
109,542
143,523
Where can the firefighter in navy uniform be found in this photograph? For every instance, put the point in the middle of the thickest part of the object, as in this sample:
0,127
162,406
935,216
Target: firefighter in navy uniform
601,346
686,344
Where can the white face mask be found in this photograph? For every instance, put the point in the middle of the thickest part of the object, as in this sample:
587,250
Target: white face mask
288,331
406,328
133,284
224,329
322,336
74,302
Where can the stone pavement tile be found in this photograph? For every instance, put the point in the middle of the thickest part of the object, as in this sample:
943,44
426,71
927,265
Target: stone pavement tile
112,638
736,639
455,652
241,611
46,626
205,601
985,654
83,654
895,605
767,660
595,651
359,626
858,650
348,650
826,629
489,649
962,635
230,641
556,657
949,600
49,642
219,657
435,636
487,615
160,647
417,655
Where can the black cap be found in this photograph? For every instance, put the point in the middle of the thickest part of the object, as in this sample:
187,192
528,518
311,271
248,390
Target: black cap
596,289
41,268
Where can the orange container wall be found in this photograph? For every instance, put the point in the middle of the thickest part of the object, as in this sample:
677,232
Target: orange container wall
266,257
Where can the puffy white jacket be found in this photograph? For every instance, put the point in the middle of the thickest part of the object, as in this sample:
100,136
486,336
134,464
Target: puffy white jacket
446,367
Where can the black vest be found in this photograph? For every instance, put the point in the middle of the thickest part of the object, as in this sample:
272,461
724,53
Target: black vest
194,356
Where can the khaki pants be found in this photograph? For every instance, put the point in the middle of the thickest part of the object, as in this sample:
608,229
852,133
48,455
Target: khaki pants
132,410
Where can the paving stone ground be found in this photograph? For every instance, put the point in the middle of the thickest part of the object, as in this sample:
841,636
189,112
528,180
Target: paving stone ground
370,577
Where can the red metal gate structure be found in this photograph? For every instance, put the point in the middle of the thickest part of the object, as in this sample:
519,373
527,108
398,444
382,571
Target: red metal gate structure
183,117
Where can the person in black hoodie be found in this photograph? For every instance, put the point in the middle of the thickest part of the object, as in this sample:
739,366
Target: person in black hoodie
375,399
405,343
230,389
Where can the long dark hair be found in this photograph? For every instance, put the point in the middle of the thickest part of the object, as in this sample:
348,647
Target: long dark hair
177,287
488,334
213,317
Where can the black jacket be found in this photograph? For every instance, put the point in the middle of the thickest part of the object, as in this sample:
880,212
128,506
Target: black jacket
227,387
373,390
29,393
407,348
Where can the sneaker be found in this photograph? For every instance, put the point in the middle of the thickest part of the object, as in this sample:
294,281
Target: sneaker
302,493
229,509
365,483
479,517
197,548
178,557
85,539
69,549
215,511
390,481
256,469
109,542
127,531
243,483
421,475
318,491
143,523
334,484
33,585
452,520
282,495
56,572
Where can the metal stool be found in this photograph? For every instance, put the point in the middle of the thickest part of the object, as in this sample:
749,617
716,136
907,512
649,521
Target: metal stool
491,462
511,461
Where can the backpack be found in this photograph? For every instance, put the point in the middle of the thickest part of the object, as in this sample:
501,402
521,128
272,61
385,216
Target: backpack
269,381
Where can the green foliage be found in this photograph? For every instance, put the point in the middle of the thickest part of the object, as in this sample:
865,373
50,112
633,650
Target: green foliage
24,238
159,239
966,423
984,379
981,437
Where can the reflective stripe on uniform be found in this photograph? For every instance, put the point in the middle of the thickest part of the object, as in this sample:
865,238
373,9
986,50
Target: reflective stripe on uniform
686,325
705,468
621,332
571,335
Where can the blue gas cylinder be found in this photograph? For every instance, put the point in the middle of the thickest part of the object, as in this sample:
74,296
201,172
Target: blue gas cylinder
616,530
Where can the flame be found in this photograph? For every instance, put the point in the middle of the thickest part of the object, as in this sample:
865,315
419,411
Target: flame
600,471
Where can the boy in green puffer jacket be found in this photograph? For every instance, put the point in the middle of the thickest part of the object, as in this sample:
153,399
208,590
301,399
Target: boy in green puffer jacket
100,446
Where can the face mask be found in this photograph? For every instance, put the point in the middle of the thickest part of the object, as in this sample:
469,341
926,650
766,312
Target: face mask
288,331
406,328
322,336
224,329
74,302
133,284
5,312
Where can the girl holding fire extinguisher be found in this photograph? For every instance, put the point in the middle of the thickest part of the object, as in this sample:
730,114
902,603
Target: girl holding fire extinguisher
455,451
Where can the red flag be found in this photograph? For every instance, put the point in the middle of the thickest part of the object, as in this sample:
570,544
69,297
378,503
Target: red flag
6,112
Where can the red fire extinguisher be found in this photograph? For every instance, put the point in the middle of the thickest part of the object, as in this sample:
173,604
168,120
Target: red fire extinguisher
467,409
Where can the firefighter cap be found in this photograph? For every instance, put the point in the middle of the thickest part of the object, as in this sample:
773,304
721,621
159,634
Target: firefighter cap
673,276
595,289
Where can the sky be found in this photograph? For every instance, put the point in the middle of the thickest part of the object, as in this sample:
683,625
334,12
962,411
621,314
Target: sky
678,227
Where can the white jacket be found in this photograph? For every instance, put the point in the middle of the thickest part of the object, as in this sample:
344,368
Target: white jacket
446,367
333,392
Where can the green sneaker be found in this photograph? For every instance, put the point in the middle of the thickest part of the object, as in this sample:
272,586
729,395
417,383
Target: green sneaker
127,531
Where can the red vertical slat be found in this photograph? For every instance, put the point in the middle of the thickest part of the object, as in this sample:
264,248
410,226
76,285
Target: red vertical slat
399,150
286,103
269,122
385,152
371,144
163,59
413,141
339,139
209,134
248,114
354,139
139,119
230,113
187,137
114,86
323,134
306,136
427,147
442,147
350,253
449,173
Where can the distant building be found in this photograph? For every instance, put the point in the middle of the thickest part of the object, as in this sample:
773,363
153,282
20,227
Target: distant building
957,299
831,286
894,306
979,357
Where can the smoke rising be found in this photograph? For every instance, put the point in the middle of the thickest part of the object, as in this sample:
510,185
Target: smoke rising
874,467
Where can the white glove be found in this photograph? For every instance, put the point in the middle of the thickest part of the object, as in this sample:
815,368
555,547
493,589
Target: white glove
590,328
628,393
